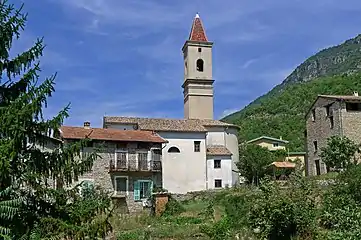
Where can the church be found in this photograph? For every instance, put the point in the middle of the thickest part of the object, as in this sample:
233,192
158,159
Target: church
180,155
200,152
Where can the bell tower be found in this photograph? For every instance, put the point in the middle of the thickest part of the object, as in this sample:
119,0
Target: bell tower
198,81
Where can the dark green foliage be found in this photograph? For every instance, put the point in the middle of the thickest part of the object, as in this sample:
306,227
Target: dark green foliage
220,230
282,113
283,214
29,207
253,162
339,152
173,207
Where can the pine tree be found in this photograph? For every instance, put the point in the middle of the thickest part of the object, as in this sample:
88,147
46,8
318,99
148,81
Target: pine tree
29,207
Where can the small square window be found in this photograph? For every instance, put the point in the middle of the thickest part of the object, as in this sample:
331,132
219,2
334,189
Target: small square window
276,145
217,163
199,49
197,146
218,183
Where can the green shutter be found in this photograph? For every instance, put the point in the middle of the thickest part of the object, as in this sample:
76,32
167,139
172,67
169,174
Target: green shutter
136,190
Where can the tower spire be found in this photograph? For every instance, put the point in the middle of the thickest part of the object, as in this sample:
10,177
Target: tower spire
197,31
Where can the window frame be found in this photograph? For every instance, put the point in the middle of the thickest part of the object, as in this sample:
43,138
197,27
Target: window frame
216,166
219,181
315,145
313,115
196,146
147,159
275,145
126,185
126,157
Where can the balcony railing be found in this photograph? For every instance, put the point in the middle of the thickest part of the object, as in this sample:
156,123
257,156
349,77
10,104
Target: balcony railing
141,166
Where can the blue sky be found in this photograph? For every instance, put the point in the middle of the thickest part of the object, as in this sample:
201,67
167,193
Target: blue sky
123,57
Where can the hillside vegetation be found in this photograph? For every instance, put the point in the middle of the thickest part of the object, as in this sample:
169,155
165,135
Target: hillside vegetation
282,114
281,111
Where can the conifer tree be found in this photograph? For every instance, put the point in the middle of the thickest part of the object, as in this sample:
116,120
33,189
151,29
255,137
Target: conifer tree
29,207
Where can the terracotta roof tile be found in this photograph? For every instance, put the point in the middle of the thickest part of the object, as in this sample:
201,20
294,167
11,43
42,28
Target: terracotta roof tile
68,132
284,164
218,150
164,124
197,32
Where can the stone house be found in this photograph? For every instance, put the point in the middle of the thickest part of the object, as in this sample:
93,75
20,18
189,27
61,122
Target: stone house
330,115
129,164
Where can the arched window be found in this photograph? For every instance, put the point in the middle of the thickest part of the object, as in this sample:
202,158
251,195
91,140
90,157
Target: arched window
173,150
200,64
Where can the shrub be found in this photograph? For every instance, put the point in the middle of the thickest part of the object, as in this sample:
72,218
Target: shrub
219,230
173,207
284,213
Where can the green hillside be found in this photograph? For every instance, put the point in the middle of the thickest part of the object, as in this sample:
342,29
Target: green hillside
280,112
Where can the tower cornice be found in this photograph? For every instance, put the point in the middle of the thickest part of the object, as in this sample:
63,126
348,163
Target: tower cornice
196,44
197,81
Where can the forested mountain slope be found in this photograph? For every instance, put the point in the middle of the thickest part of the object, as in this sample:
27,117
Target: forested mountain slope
281,111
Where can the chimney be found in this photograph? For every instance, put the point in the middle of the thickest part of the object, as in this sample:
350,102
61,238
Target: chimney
280,137
87,125
355,94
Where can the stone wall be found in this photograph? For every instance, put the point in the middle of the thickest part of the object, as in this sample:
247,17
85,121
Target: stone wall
101,175
320,130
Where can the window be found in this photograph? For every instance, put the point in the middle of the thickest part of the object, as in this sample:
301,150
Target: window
121,185
218,183
315,145
142,189
173,150
318,169
328,110
121,159
331,122
275,145
200,64
313,115
353,106
217,163
143,160
197,146
199,49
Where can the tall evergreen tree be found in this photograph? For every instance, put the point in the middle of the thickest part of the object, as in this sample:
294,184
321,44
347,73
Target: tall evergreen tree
29,207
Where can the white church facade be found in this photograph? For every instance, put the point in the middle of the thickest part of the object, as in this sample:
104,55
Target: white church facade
180,155
200,153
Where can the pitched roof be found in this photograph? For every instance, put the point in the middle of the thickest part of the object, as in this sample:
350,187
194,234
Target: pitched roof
197,32
169,125
267,138
353,98
217,150
284,164
68,132
342,97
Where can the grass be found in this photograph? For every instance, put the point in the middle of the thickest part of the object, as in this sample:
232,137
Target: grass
181,226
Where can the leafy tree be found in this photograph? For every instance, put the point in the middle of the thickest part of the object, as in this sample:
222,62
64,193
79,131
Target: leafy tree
27,201
253,162
339,152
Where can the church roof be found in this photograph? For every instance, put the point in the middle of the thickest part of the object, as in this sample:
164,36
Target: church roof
218,150
197,32
68,132
169,125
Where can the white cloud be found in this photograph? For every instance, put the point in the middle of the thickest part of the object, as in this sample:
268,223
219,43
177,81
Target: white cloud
228,112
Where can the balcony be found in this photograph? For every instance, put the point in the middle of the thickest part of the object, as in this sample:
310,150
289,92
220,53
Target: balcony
135,166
